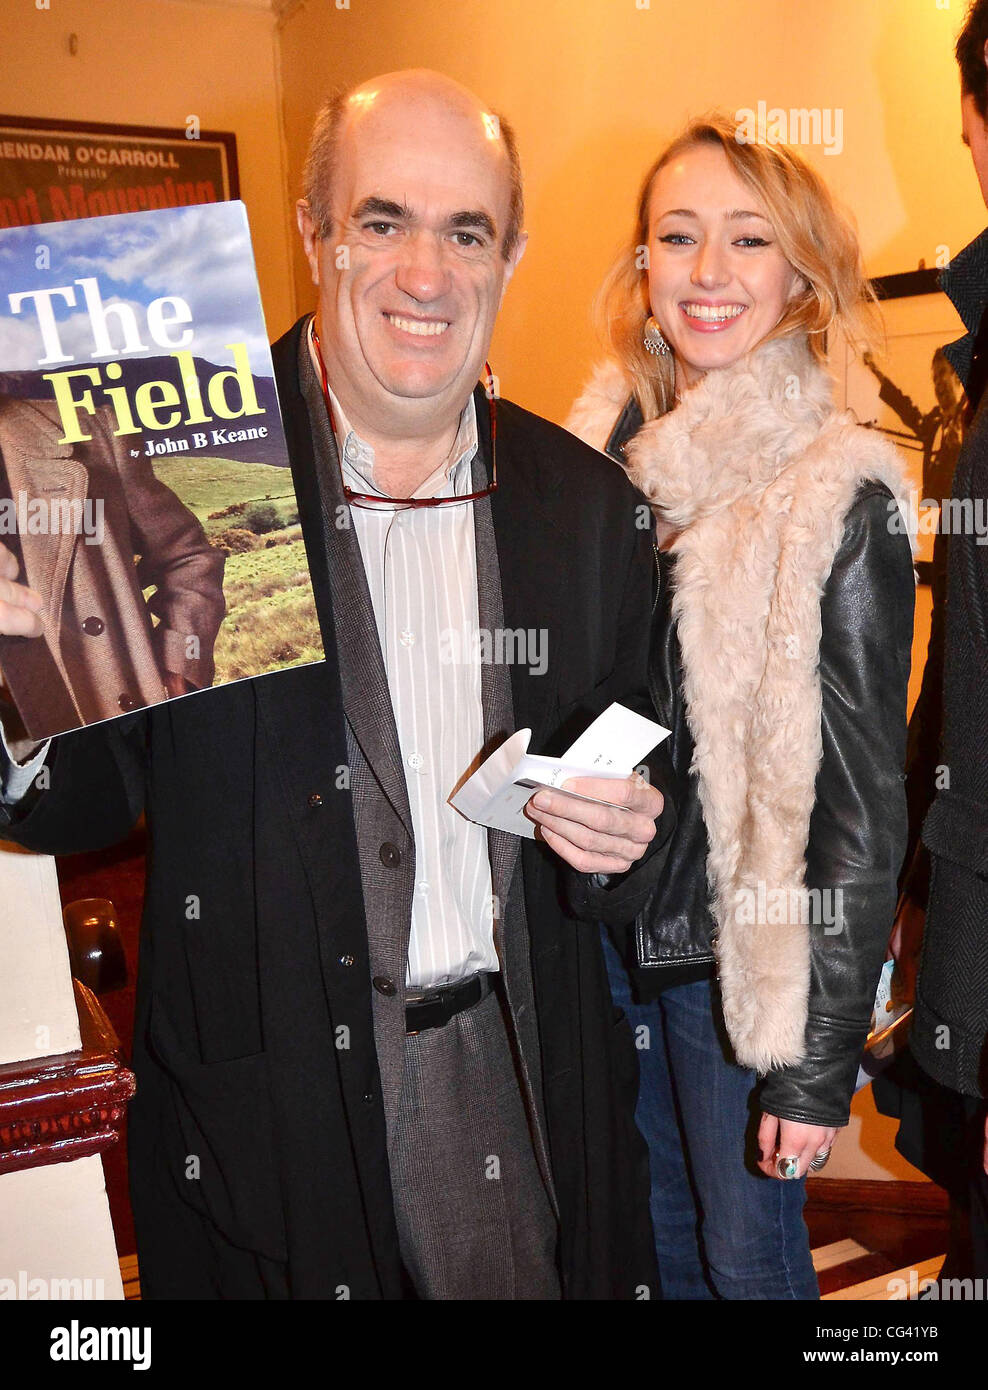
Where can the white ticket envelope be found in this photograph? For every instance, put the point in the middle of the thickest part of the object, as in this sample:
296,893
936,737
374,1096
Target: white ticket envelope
499,790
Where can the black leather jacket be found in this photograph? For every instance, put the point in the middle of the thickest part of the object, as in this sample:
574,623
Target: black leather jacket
858,827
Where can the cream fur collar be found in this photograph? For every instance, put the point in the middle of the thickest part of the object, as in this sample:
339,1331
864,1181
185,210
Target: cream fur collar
757,471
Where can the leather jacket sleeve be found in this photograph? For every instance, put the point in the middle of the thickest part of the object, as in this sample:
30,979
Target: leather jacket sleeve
858,827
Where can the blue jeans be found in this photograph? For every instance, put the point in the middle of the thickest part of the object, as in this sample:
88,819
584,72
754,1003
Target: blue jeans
722,1229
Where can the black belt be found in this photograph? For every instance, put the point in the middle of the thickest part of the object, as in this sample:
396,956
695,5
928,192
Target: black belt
435,1007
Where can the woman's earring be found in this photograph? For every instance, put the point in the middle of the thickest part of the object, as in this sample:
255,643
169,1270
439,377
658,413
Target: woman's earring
653,340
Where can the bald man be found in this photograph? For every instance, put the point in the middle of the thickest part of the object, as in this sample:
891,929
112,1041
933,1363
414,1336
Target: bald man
379,1058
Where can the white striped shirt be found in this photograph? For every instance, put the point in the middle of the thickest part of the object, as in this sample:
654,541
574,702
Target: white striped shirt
421,567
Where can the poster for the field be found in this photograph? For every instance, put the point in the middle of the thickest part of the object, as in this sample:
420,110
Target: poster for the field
145,488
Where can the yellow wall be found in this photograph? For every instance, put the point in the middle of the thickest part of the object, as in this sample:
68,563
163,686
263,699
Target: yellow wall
155,62
594,88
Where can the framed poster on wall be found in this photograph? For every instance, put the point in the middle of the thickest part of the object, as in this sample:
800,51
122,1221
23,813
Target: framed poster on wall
57,171
908,390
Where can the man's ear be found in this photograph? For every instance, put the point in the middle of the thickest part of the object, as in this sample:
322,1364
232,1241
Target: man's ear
516,254
310,238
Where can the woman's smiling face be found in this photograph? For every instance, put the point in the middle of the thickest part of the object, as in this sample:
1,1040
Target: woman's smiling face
717,280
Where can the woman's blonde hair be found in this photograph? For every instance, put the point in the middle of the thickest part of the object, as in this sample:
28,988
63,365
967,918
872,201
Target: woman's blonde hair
815,236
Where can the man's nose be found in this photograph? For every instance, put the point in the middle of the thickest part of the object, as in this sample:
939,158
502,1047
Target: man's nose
421,270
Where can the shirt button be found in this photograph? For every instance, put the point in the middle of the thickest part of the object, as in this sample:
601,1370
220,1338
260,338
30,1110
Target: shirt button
389,854
126,702
406,637
92,627
368,1097
315,799
346,960
415,760
385,985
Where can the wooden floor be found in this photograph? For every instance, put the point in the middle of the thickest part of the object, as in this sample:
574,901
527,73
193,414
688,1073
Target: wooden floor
867,1236
871,1241
131,1281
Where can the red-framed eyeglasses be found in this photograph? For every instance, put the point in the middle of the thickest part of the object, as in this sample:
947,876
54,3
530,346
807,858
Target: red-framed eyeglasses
378,502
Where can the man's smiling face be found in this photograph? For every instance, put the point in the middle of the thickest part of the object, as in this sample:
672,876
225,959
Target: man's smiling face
411,273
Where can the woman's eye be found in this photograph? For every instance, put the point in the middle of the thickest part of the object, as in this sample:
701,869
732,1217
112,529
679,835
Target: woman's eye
751,241
676,239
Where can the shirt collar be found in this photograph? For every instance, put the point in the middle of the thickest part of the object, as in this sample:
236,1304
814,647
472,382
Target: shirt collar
357,456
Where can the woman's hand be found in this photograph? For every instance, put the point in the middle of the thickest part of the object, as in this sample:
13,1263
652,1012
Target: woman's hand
787,1139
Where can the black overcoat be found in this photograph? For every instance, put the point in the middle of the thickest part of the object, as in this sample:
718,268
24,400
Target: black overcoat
949,1035
257,1136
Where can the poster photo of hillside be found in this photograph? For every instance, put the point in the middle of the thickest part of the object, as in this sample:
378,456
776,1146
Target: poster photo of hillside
249,513
145,487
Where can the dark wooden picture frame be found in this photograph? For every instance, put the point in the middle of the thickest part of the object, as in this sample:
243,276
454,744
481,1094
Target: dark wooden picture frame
58,170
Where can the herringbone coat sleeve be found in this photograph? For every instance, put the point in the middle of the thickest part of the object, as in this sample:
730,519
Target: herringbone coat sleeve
178,560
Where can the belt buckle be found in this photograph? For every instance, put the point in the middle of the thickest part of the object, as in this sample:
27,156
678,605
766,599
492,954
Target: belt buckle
445,996
433,996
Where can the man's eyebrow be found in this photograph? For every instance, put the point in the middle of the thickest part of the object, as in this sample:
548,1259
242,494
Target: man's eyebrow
381,207
479,220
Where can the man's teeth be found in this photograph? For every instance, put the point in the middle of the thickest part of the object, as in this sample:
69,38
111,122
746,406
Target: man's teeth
711,315
420,329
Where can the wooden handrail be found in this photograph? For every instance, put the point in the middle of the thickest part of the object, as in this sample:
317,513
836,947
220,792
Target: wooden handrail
53,1109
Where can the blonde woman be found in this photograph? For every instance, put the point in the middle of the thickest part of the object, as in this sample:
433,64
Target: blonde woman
780,661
